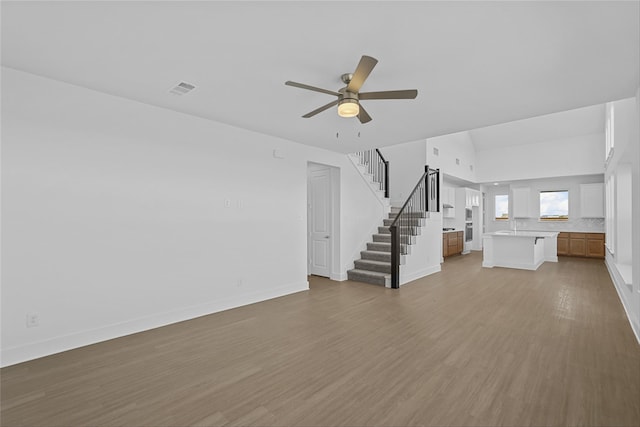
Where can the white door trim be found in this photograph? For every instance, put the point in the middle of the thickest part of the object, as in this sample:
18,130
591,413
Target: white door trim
334,231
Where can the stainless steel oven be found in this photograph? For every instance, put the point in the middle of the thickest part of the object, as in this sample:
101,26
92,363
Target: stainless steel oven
468,232
468,214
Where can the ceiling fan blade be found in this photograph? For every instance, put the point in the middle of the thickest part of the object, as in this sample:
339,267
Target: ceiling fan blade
390,94
313,88
363,116
321,109
363,70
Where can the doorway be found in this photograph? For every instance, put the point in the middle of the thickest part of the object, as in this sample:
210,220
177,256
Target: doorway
322,219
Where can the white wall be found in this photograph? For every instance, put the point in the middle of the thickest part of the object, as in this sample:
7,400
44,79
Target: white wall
406,166
456,155
426,253
574,223
119,216
624,262
566,157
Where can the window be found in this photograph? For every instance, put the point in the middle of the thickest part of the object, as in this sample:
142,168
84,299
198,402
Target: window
609,134
610,213
502,206
554,205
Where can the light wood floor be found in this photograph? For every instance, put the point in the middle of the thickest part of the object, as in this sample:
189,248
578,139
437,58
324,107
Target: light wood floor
467,346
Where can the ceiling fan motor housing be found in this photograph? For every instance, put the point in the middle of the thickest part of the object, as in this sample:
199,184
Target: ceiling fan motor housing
348,95
346,78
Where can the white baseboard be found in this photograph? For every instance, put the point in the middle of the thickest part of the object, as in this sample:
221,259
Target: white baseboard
12,356
339,277
406,278
620,285
518,265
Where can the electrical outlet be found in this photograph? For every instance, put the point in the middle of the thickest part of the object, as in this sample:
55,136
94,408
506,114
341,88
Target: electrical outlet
32,320
239,283
227,203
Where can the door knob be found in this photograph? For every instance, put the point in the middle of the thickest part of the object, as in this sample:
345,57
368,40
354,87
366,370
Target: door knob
326,237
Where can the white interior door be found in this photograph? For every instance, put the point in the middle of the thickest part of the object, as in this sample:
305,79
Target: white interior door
319,204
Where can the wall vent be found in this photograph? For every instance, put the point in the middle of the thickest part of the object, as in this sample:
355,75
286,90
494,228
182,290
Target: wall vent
182,88
436,151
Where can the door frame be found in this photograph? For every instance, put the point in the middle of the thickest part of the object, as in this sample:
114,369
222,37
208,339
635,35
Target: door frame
334,256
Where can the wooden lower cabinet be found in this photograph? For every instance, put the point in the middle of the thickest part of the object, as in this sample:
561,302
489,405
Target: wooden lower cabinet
590,245
452,243
445,245
577,244
595,245
563,243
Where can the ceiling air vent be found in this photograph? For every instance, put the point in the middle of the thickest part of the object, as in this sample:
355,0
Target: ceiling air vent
182,88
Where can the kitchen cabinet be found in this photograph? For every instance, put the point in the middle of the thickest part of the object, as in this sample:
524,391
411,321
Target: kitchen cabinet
520,202
472,197
577,244
592,200
452,243
589,245
448,199
595,245
445,245
563,243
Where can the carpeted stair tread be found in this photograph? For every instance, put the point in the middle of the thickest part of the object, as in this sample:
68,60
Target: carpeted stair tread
376,255
373,265
373,277
380,256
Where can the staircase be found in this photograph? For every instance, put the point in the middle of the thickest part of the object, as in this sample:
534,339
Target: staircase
374,266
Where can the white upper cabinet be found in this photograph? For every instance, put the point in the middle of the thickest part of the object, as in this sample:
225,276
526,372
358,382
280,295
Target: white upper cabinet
592,200
472,197
520,202
448,199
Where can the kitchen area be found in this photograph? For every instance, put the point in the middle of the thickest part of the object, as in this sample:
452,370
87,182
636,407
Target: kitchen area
543,219
461,217
521,235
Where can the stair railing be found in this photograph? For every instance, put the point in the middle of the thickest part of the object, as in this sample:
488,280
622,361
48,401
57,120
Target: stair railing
377,166
424,198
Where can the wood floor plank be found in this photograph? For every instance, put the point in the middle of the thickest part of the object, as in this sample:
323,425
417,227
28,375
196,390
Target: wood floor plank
467,346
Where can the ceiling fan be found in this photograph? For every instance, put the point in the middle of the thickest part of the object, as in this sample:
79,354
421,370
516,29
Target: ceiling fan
349,97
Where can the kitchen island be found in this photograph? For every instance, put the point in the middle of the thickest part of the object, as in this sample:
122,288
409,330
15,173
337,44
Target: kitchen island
525,250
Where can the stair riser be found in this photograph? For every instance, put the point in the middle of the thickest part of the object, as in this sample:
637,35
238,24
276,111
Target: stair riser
414,231
381,247
364,265
379,238
376,256
382,238
386,247
393,215
366,279
380,256
414,222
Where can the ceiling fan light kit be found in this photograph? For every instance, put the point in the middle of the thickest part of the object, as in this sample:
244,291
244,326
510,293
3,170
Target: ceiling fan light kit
349,97
348,108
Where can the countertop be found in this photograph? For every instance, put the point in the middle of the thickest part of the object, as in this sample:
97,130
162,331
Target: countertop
523,233
451,231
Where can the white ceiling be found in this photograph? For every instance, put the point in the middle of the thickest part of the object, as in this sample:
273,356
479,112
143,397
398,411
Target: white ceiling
550,127
474,64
